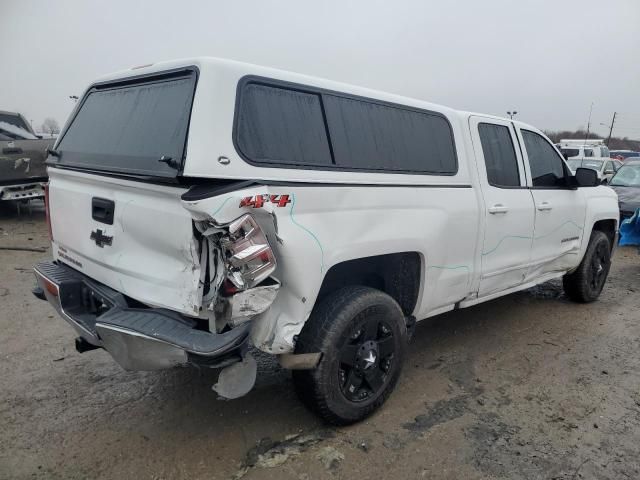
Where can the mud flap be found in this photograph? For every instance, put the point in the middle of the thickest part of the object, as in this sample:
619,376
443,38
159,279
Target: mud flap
237,379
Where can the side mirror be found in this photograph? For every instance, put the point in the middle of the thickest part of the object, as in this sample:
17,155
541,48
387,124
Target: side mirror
586,177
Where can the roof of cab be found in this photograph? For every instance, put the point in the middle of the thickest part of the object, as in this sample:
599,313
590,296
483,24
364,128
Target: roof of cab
212,63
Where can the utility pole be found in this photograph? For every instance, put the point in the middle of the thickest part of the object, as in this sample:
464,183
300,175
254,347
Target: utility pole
511,114
613,120
589,123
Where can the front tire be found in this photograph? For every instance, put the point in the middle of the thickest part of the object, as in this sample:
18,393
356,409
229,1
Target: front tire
585,284
362,335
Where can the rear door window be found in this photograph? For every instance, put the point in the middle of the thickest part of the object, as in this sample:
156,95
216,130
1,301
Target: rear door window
130,127
499,155
547,167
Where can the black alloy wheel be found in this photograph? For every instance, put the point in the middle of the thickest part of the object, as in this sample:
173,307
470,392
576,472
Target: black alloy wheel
366,358
361,333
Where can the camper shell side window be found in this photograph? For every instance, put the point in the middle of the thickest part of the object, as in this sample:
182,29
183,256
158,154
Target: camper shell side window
279,124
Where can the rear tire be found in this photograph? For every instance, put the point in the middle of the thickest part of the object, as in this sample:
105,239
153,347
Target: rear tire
585,284
361,333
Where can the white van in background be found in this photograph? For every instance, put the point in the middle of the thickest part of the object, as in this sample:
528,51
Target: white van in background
572,148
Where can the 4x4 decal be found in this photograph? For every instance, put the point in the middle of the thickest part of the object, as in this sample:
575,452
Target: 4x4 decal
258,201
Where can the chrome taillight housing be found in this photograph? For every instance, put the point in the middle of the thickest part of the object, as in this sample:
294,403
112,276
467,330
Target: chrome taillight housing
248,255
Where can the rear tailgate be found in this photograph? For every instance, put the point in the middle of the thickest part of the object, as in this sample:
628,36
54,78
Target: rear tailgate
115,207
148,252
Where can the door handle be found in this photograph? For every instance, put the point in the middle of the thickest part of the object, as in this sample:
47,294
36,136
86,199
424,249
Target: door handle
498,208
544,206
102,210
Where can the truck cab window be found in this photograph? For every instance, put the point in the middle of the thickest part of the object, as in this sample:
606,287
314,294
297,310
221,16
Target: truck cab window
547,167
499,155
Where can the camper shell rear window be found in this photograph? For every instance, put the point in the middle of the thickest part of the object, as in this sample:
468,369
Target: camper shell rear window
280,124
135,126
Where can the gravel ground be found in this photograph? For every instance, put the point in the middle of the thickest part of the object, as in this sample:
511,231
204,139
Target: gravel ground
526,386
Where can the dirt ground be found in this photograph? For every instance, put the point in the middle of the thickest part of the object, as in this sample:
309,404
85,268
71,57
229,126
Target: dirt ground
527,386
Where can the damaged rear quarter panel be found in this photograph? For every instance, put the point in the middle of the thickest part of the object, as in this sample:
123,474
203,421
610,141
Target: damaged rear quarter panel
323,226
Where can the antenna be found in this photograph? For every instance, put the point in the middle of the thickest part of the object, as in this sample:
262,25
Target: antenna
588,123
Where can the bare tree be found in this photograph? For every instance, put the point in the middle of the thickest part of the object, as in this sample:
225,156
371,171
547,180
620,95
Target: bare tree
50,126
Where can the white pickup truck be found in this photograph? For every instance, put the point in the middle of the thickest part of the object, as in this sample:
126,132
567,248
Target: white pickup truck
197,206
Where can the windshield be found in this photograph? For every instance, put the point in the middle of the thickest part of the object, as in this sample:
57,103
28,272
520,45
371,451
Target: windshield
573,164
13,132
130,128
15,120
627,176
592,164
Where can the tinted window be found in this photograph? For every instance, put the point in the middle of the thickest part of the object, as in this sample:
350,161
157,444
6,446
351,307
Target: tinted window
129,128
277,125
499,155
547,168
283,126
369,135
570,152
588,152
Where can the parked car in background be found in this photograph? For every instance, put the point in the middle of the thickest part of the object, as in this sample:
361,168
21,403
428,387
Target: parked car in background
626,183
22,159
623,154
606,168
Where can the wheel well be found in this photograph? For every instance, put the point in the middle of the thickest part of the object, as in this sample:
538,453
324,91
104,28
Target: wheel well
608,227
397,274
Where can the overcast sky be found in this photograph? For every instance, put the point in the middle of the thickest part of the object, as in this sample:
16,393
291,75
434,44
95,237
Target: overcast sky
547,59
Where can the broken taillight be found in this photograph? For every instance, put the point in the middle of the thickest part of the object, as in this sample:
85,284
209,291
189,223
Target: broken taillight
248,255
47,210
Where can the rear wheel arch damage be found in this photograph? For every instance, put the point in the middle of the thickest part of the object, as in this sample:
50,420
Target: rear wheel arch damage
398,275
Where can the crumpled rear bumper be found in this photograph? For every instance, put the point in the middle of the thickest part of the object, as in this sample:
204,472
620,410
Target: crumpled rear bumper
137,338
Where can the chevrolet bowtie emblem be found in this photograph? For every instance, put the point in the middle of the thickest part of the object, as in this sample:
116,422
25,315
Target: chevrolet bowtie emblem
100,238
